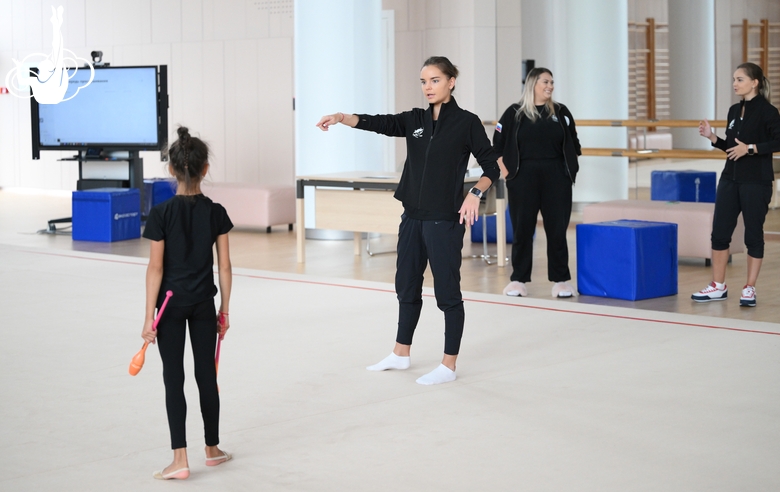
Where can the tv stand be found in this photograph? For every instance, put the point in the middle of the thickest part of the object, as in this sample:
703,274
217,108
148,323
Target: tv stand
135,179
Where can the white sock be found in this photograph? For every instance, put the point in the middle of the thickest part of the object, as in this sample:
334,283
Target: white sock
392,361
441,374
720,286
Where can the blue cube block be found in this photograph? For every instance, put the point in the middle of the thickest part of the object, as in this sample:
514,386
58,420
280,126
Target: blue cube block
106,214
627,259
157,190
490,220
683,186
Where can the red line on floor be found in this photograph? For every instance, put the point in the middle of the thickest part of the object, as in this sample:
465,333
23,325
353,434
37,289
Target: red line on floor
499,303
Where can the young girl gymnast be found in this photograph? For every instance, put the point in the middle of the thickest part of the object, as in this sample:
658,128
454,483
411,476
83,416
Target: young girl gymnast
183,231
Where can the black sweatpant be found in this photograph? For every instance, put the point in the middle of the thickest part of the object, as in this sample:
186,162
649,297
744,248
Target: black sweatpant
750,199
540,185
202,320
439,242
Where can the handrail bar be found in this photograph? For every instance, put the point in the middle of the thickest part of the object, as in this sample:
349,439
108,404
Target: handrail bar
655,153
638,123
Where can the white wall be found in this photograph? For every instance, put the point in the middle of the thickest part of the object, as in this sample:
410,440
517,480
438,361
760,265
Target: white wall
229,68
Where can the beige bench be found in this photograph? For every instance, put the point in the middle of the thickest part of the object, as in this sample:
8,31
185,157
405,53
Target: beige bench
651,140
253,205
694,222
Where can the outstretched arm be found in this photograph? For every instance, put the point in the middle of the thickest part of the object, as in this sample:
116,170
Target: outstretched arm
345,119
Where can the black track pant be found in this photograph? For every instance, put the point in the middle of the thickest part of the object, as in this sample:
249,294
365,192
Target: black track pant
202,320
540,185
752,200
439,242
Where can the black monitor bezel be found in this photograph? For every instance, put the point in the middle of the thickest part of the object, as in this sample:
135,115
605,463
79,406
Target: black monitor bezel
162,121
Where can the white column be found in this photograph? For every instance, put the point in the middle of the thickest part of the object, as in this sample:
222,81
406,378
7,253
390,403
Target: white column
590,56
691,67
337,68
724,68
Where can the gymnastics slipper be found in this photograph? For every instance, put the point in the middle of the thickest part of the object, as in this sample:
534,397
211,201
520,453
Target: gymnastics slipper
218,460
179,474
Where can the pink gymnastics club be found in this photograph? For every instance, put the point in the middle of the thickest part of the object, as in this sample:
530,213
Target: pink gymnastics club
219,344
138,359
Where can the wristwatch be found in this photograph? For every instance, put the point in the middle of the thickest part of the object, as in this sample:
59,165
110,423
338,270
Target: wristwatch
751,149
476,192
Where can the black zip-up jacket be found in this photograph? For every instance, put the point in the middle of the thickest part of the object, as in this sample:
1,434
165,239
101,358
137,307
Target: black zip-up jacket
507,145
431,186
760,127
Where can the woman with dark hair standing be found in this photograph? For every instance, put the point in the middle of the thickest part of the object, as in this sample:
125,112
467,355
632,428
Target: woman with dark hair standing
439,140
537,141
745,185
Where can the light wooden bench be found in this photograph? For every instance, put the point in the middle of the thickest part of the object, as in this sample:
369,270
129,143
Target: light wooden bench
694,222
254,206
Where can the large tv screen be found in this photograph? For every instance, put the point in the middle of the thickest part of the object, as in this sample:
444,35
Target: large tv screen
124,108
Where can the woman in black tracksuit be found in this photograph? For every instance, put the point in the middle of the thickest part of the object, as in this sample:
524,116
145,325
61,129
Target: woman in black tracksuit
537,141
439,140
745,186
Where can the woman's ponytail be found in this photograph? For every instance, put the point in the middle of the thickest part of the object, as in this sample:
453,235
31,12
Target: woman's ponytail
766,90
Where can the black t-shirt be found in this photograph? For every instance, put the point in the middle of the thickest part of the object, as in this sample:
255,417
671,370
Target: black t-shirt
541,139
189,225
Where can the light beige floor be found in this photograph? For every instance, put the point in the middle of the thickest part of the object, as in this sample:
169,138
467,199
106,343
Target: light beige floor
22,215
550,396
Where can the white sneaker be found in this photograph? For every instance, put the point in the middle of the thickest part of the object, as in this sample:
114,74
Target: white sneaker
515,289
562,290
748,296
711,293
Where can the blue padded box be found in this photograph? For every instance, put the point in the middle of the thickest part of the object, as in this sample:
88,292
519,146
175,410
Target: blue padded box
627,259
476,229
683,186
157,190
106,214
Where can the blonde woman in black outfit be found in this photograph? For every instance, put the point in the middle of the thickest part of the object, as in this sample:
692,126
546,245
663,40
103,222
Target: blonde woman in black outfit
439,140
745,186
537,141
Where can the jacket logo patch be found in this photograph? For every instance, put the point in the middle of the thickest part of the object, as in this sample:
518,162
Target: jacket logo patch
555,118
731,125
417,133
498,128
566,119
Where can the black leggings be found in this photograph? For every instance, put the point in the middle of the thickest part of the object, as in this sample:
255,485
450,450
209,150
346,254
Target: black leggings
439,242
202,319
752,200
540,185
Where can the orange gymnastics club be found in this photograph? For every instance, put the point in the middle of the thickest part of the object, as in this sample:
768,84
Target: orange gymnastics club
138,359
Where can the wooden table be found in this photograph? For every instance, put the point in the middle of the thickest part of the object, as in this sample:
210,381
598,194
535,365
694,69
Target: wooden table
362,201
